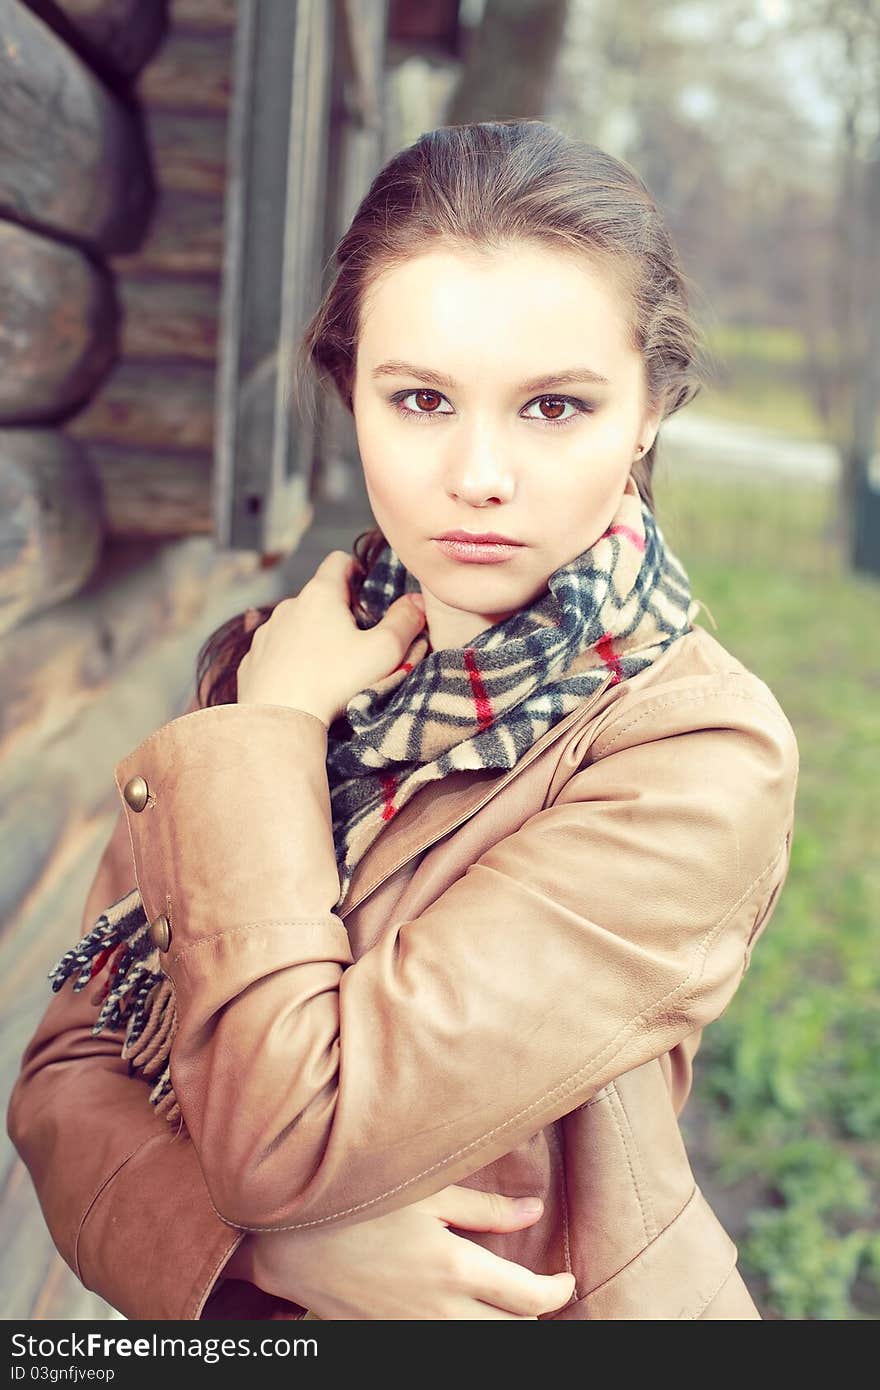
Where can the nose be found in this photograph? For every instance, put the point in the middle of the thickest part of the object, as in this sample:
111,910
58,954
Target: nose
479,469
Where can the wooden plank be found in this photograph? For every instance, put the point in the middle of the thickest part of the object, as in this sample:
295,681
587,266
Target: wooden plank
191,72
205,16
146,405
168,318
50,522
74,159
189,150
154,494
58,322
186,238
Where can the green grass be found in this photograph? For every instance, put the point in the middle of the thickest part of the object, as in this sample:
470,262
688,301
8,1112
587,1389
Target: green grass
760,378
789,1073
769,404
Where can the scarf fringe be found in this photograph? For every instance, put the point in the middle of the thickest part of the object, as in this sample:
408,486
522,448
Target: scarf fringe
137,997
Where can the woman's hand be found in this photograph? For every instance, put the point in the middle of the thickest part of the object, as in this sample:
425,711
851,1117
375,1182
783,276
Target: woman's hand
311,654
405,1265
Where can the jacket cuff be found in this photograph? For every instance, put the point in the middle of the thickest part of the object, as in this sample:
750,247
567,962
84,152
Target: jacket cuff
195,795
175,1245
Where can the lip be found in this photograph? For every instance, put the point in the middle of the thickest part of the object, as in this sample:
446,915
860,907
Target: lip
471,553
477,537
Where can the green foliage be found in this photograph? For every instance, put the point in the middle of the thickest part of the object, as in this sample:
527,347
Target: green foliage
788,1076
762,375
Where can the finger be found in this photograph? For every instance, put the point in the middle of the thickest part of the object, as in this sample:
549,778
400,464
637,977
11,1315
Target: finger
472,1309
473,1210
402,620
336,561
509,1285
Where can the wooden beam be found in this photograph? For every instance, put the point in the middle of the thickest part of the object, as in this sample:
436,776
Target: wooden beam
205,16
148,405
191,72
164,318
154,494
186,238
189,150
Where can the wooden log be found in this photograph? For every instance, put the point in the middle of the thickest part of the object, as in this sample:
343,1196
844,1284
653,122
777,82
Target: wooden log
154,494
189,150
169,318
118,36
58,326
50,521
186,238
74,159
191,72
146,405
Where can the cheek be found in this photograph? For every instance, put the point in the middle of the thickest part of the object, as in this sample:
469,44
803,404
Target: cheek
390,485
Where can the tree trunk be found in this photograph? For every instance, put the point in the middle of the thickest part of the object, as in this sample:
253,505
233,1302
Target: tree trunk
511,62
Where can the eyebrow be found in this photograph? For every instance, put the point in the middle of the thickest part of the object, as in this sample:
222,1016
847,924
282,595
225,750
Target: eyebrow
539,383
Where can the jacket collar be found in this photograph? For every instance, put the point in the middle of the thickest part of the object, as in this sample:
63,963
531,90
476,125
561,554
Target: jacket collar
425,819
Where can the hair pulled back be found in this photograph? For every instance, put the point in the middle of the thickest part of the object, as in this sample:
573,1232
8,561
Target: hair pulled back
482,187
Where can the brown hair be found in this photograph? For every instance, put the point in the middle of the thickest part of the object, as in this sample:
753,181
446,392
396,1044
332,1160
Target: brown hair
478,187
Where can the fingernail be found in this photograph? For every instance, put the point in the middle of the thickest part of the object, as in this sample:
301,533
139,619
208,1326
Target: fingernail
530,1206
419,601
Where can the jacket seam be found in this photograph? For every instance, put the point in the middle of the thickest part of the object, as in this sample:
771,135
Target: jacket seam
251,926
202,1298
93,1199
623,1268
160,732
705,1304
692,1197
569,1083
566,1243
630,1148
601,748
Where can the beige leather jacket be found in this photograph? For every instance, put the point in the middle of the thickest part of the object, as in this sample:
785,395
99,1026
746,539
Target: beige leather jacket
511,997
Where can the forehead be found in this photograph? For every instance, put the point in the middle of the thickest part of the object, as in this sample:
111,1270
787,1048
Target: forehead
518,304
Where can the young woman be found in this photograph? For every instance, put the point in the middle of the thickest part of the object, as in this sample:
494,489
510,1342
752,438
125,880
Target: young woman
419,911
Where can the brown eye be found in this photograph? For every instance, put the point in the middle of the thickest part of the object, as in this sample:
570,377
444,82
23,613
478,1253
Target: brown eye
555,404
432,402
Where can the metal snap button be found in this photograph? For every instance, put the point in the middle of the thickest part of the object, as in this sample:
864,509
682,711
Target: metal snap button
160,932
136,792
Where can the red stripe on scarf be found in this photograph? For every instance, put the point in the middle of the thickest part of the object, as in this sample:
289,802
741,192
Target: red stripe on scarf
631,535
117,950
605,648
389,787
482,702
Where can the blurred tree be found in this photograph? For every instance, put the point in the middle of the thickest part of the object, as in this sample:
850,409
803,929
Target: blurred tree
850,49
756,124
510,63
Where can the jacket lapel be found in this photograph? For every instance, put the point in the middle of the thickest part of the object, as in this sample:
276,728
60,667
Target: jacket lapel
426,818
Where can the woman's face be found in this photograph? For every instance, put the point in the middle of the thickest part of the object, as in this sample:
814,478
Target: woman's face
462,368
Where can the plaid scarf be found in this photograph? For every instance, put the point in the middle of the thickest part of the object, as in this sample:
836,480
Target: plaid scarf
615,608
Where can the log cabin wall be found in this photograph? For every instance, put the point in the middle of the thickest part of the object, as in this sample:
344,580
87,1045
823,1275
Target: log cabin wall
112,178
113,164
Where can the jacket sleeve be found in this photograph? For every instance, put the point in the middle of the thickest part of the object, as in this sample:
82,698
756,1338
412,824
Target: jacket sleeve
123,1196
615,922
